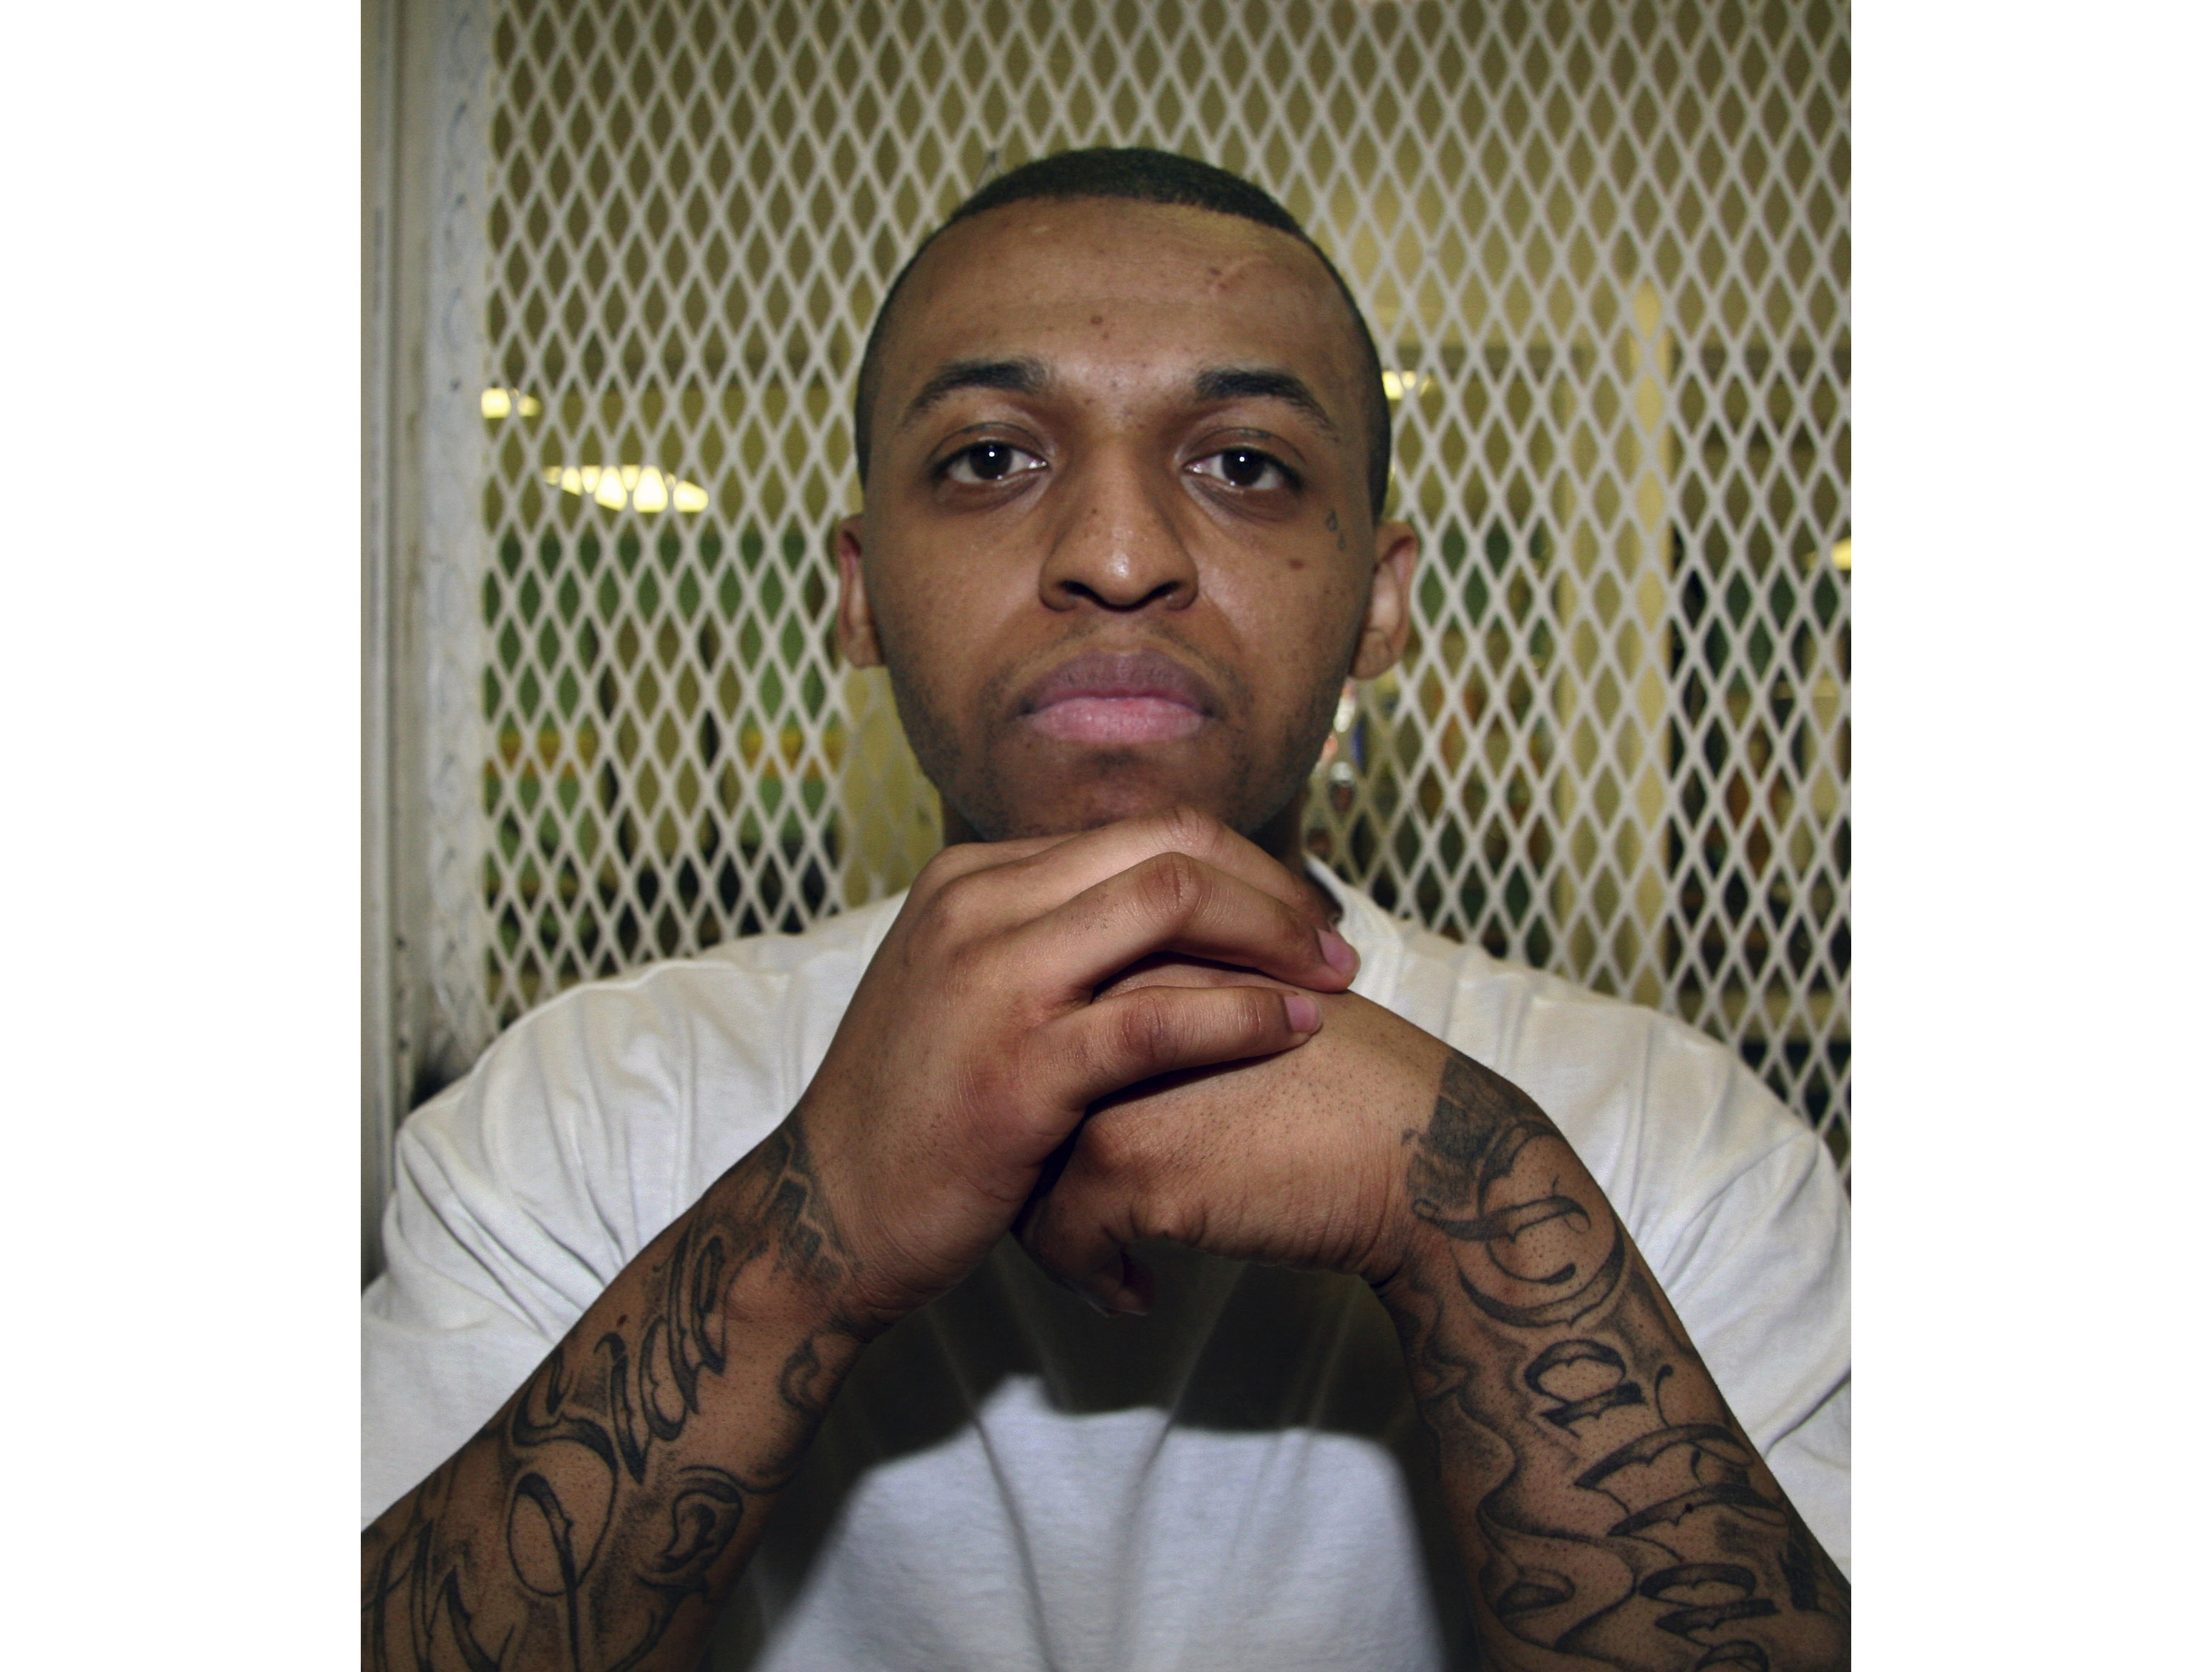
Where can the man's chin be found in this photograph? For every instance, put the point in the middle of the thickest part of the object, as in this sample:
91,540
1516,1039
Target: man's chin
1074,816
1107,797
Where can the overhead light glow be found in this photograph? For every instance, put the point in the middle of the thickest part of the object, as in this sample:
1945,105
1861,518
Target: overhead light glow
503,402
1841,556
1399,385
639,487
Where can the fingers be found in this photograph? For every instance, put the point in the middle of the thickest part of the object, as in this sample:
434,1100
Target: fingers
1079,909
1080,1236
1079,1230
1119,1041
1173,969
965,859
1041,872
1171,903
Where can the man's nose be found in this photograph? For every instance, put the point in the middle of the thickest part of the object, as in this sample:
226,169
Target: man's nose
1118,546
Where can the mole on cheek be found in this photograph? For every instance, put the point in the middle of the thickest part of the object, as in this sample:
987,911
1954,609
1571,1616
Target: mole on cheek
1297,562
1099,319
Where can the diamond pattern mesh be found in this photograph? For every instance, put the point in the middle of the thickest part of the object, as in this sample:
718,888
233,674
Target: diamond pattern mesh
1605,250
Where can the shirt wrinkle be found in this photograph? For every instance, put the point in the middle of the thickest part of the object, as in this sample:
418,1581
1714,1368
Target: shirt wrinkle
1010,1509
450,1212
1512,1020
1215,1523
615,1245
1813,1408
682,1141
1784,1148
1630,1154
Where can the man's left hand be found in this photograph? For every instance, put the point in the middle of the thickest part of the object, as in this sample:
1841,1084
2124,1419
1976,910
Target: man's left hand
1298,1159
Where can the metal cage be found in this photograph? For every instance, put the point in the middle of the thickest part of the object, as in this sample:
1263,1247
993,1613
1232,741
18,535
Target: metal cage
1605,250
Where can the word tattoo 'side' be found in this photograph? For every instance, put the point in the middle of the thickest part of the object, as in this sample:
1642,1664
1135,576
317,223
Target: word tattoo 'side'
605,1537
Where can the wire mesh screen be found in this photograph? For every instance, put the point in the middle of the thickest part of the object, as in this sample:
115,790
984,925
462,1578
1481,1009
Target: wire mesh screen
1605,250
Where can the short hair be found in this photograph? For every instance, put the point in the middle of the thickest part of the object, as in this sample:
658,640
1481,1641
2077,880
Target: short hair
1137,174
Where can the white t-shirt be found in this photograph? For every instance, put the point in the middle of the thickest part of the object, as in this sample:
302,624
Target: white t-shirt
1008,1480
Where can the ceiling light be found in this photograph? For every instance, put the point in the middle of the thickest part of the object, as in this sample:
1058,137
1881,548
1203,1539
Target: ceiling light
639,487
502,403
1841,556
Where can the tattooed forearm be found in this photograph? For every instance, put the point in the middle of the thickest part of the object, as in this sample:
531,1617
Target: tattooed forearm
1615,1513
627,1476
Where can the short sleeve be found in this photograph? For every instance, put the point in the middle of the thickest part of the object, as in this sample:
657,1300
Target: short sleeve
442,1341
1761,1276
523,1190
1730,1197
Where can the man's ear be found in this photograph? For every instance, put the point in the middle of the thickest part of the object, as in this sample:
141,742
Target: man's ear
1389,602
856,623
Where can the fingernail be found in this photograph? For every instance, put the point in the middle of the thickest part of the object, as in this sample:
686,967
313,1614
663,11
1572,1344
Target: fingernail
1302,1012
1128,1302
1340,953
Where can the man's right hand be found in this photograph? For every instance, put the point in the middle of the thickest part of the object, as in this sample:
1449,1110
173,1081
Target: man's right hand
976,1040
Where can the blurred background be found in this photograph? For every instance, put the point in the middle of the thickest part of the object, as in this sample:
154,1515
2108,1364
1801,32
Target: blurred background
620,260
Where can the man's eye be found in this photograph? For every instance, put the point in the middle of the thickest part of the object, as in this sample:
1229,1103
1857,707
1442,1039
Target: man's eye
990,461
1246,467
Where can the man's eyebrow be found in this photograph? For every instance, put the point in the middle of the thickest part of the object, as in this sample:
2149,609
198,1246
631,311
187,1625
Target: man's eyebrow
1017,377
1263,383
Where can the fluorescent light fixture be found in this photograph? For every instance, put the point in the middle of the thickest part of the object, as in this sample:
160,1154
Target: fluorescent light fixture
1397,385
639,487
1841,556
502,403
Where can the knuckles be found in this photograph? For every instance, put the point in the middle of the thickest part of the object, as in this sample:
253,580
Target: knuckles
954,938
1146,1030
1186,830
944,867
1250,1016
1112,1155
1198,838
954,908
1157,1029
1264,1022
1172,886
1125,1183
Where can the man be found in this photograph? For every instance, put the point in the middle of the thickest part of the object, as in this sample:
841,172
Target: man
741,1228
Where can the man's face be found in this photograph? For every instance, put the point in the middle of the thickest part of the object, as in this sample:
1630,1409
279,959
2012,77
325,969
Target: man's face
1116,550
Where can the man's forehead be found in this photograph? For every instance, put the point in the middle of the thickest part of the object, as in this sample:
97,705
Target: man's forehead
1113,282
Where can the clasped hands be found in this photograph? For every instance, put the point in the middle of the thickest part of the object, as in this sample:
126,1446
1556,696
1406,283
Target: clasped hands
1139,1031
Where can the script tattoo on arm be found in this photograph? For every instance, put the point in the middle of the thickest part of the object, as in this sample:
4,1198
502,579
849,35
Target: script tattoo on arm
1613,1511
630,1473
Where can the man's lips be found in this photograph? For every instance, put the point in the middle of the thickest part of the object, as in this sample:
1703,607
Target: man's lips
1118,697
